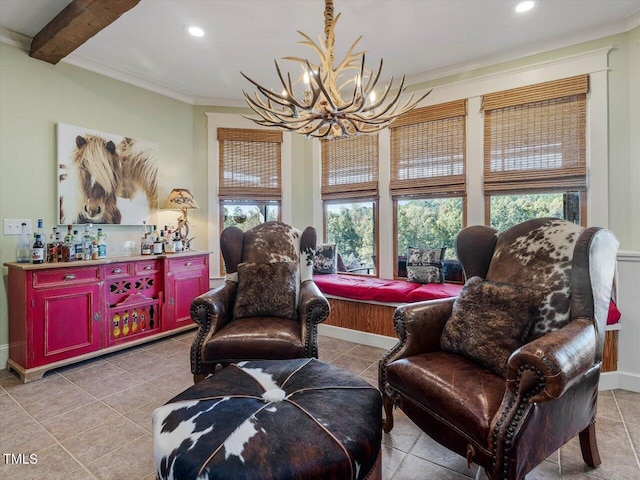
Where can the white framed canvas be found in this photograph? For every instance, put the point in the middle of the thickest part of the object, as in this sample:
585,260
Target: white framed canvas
104,178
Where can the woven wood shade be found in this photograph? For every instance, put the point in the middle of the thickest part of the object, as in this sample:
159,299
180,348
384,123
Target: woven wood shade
534,137
350,167
428,151
250,164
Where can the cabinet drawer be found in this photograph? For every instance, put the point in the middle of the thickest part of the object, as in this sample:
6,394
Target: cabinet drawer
116,270
189,263
66,276
147,266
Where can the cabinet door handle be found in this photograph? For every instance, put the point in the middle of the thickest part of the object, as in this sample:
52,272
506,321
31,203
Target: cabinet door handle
187,264
70,276
147,267
96,316
117,270
171,301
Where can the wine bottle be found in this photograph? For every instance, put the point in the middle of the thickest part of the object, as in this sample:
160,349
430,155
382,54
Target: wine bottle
23,253
37,250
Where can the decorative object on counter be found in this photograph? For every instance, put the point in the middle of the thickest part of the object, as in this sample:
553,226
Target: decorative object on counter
99,173
334,103
181,199
23,253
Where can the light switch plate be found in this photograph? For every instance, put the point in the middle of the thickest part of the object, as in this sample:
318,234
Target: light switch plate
13,226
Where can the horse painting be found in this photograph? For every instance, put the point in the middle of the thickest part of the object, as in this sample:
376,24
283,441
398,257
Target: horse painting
106,181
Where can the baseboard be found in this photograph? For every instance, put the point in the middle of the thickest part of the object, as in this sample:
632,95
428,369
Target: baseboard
621,380
364,338
4,356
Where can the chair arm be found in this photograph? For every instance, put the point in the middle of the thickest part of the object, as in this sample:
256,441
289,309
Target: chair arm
314,307
419,327
556,361
212,310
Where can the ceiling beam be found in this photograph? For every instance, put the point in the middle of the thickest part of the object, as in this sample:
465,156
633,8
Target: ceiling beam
74,25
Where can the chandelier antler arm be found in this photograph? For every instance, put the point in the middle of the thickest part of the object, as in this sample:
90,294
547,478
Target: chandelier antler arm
277,98
373,79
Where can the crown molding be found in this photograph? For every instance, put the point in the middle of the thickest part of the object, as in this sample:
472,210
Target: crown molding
219,102
15,39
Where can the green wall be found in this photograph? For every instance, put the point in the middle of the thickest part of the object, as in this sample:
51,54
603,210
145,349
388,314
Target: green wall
34,97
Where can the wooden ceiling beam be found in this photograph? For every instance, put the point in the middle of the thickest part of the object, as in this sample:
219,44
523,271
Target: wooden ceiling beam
74,25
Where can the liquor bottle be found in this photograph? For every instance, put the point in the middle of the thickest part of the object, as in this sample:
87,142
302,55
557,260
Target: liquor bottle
37,250
86,243
116,325
134,321
143,237
169,246
77,244
147,246
178,242
23,253
143,319
68,247
125,323
58,240
102,244
52,247
157,243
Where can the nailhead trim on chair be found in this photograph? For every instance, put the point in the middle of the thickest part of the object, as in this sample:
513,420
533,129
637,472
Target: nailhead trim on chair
196,346
516,419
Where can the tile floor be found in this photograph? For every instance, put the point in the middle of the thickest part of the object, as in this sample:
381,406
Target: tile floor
93,421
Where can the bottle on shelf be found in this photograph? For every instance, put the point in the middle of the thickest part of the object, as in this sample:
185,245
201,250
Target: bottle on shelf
143,319
58,240
147,246
87,243
157,242
169,246
77,245
116,325
134,321
102,244
125,323
37,250
68,247
23,253
178,242
52,247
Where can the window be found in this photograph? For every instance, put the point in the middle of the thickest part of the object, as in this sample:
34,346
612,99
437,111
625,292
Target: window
350,194
534,158
428,179
249,176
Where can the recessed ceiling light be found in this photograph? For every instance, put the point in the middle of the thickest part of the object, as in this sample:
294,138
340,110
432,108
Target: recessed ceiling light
195,31
525,6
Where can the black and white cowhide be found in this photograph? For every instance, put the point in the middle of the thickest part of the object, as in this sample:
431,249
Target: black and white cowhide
539,253
281,419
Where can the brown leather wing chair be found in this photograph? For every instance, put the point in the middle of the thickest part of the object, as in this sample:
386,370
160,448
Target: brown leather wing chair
268,308
507,409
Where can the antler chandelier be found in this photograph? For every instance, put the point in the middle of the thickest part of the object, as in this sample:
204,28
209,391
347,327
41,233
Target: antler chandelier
337,100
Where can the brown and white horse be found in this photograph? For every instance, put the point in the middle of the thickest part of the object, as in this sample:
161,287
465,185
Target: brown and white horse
103,172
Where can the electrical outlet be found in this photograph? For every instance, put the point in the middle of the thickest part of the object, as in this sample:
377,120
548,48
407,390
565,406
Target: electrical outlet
13,226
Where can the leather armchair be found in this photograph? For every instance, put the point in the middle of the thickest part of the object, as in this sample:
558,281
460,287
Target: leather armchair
510,425
222,338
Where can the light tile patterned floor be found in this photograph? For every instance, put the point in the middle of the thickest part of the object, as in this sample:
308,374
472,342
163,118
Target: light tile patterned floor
93,421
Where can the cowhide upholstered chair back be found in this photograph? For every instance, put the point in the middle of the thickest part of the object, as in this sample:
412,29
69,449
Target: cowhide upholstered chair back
268,307
508,372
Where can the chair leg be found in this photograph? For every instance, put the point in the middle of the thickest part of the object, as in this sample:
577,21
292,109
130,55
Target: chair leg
198,377
589,446
387,421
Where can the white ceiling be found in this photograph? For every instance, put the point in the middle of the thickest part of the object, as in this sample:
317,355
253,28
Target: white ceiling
422,39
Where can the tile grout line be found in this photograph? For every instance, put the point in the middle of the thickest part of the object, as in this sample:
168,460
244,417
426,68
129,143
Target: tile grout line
58,443
624,424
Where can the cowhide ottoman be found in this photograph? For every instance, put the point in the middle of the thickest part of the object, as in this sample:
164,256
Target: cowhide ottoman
271,419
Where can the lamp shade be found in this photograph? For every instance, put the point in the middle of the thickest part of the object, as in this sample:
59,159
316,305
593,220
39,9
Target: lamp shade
179,199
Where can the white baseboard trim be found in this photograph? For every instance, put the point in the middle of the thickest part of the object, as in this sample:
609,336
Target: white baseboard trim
364,338
4,355
622,380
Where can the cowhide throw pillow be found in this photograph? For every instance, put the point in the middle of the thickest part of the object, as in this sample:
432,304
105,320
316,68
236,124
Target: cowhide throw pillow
539,254
489,321
425,265
325,259
266,290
